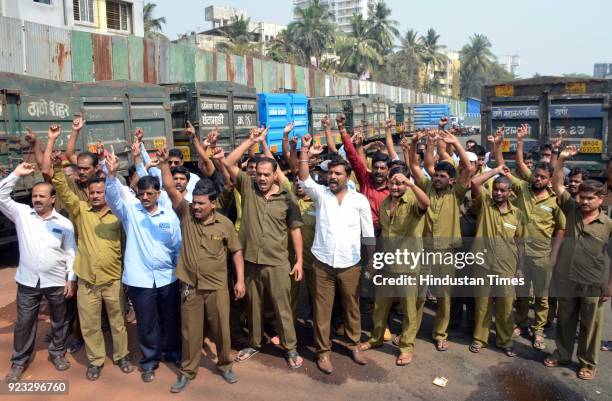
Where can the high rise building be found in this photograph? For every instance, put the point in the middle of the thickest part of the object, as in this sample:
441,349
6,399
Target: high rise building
509,63
602,70
343,10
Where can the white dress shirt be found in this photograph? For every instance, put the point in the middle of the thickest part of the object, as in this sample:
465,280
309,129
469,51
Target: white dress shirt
339,227
46,246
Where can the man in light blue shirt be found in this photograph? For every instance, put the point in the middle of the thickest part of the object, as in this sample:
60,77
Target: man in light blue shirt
152,247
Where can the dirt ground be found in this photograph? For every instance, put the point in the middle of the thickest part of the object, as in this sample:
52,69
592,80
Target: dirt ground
487,376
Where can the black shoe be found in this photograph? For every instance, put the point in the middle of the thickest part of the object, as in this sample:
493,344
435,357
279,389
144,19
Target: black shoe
229,376
148,375
60,362
14,373
180,384
76,345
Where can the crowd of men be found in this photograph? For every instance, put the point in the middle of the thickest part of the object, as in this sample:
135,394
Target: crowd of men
224,255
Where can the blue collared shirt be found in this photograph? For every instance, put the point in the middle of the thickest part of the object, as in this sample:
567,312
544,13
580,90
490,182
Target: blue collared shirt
153,240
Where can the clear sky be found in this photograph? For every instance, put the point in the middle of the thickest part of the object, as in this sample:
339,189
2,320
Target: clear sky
552,37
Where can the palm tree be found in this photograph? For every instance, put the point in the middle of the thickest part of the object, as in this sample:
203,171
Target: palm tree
151,25
410,53
240,40
476,60
381,28
314,30
432,56
285,48
358,52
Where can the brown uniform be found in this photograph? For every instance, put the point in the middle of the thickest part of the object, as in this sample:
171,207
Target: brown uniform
202,269
264,237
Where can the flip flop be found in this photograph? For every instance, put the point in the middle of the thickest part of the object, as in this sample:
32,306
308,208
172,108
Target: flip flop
294,360
404,359
586,374
538,342
365,346
508,351
475,347
245,354
441,345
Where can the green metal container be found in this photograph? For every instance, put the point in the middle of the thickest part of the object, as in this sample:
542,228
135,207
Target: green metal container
318,107
229,106
359,110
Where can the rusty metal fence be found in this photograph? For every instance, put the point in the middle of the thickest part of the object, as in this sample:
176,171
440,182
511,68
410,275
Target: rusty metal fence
72,55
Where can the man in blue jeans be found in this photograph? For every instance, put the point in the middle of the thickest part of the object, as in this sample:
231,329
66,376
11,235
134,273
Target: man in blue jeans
152,247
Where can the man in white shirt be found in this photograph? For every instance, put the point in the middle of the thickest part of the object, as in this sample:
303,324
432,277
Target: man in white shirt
343,218
46,254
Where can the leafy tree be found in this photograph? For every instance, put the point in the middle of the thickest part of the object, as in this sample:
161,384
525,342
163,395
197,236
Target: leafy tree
314,30
431,54
152,25
358,52
240,40
381,28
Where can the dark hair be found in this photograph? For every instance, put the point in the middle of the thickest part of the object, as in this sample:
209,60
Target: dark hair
131,170
394,163
546,146
471,141
92,156
593,186
579,170
71,166
38,184
478,150
175,153
206,187
95,180
399,170
446,167
380,157
421,154
340,162
502,179
180,170
148,181
254,159
528,156
545,166
269,160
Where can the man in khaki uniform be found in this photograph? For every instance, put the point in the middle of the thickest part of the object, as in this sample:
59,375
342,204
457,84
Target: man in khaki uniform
582,286
442,223
401,222
270,215
500,231
98,267
207,236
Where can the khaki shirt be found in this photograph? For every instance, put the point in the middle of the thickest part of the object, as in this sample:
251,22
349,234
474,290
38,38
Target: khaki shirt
442,221
98,258
264,225
545,217
497,234
309,217
203,258
402,228
583,256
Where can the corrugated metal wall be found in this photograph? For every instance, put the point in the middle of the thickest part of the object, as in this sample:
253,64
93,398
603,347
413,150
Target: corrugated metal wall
65,55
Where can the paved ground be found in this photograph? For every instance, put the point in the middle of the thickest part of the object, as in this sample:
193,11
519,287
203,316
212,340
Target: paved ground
488,376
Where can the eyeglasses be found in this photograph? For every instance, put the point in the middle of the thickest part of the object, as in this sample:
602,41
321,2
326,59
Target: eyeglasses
148,194
174,163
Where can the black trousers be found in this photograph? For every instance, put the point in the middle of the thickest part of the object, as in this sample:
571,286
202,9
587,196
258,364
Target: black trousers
157,323
28,305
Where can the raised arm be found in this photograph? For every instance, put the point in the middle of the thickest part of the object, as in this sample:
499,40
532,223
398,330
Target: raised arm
64,193
480,179
419,194
390,124
77,125
175,196
556,146
557,178
405,145
232,159
430,161
520,142
415,168
53,133
303,170
497,140
30,138
360,168
464,161
113,187
329,138
211,140
8,206
291,162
